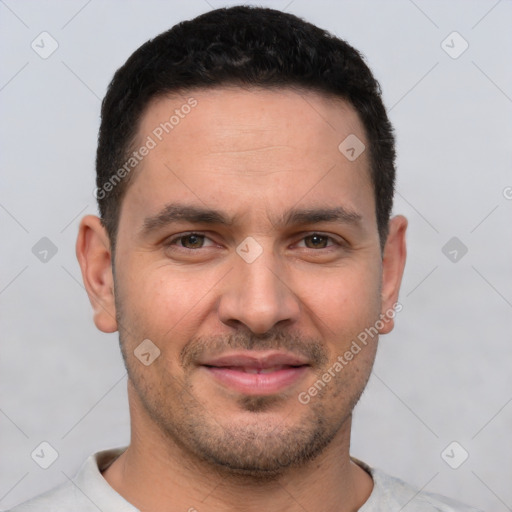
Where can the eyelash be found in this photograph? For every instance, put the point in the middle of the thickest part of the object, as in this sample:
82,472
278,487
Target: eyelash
171,242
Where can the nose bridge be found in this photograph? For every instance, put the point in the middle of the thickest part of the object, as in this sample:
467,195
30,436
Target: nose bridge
257,295
260,283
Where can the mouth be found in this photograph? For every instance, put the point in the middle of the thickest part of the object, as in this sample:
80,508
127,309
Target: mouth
257,373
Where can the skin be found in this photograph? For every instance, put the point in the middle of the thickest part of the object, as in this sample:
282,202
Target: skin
252,154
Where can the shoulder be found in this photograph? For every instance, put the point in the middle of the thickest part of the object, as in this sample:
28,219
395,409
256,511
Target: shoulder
87,492
61,498
393,494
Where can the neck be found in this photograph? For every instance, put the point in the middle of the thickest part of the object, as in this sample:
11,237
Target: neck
156,474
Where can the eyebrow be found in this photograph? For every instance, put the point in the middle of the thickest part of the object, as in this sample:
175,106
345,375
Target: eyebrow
316,215
185,213
174,212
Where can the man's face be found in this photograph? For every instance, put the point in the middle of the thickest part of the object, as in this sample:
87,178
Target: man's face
248,253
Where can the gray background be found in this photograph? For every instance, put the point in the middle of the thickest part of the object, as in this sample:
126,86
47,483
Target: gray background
444,374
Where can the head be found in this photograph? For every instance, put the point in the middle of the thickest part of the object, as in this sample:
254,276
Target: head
238,236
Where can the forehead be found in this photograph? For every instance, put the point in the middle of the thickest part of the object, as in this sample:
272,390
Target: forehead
237,147
232,116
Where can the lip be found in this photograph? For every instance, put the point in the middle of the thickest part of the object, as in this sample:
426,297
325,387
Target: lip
255,359
256,373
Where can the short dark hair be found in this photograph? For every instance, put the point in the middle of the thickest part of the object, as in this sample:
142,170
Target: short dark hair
245,46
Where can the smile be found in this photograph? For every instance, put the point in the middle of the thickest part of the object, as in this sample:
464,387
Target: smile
257,373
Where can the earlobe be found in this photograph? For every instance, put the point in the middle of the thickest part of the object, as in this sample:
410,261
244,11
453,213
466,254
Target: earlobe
94,256
393,264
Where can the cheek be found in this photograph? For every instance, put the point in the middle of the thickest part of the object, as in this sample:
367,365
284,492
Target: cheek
343,302
161,303
345,310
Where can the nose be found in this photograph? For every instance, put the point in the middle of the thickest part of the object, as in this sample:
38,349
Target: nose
258,296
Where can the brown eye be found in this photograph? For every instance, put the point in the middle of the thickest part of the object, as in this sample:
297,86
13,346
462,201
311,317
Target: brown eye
192,241
316,241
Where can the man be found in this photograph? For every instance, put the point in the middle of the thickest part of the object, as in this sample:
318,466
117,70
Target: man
246,255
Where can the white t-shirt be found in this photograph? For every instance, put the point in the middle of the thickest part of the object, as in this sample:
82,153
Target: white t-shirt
90,492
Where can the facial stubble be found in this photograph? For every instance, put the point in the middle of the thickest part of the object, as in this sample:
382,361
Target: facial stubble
258,449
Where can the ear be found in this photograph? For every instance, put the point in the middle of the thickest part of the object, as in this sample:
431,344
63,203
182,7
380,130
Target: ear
393,263
94,256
